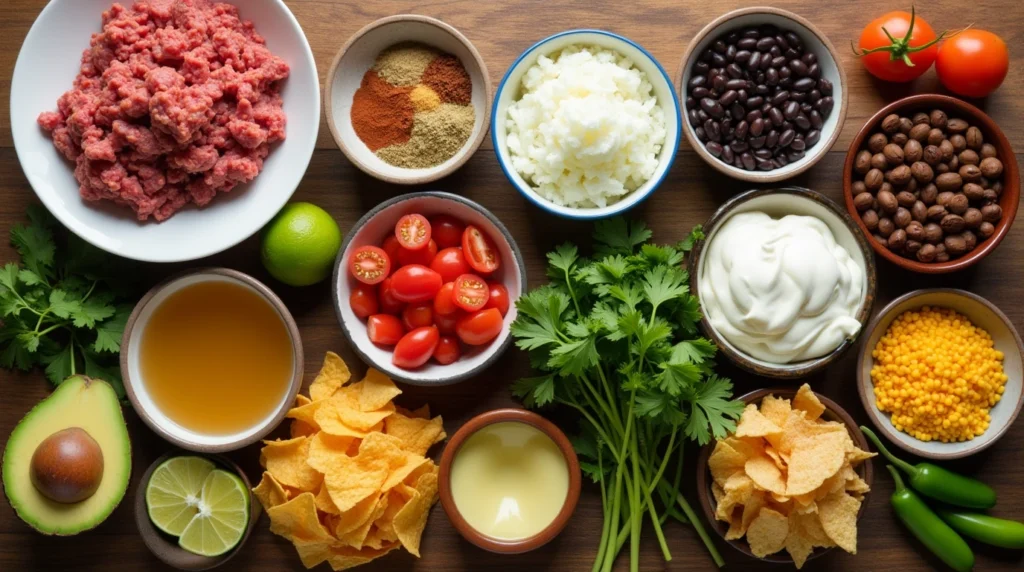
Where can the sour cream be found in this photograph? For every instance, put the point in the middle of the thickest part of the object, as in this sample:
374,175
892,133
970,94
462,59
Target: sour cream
780,290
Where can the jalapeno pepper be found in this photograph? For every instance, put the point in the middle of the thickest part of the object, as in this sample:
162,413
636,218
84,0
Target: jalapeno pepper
984,528
938,483
936,535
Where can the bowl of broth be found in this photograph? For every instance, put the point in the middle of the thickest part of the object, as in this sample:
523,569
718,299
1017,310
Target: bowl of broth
211,360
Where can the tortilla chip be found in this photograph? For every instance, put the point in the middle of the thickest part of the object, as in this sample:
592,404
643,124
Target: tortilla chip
333,375
344,557
376,391
776,409
270,492
807,401
838,514
768,532
798,546
286,461
324,448
751,509
417,435
343,408
412,519
297,521
810,466
724,462
357,537
355,479
765,474
753,424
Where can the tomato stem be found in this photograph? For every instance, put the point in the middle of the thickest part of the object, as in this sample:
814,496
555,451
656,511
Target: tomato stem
901,49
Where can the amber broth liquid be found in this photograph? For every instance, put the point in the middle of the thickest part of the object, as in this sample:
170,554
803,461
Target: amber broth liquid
216,358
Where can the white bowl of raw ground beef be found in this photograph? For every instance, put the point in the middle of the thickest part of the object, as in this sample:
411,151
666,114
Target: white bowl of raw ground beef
176,132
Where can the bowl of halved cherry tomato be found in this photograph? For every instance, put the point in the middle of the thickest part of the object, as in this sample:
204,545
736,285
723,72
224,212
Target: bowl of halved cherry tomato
425,287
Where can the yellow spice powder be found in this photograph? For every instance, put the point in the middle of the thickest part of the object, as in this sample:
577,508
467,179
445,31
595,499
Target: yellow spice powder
424,99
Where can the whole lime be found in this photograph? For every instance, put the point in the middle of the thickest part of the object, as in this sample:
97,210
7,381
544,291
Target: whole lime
299,244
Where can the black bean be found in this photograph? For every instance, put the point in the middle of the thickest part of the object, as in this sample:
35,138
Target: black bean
777,163
790,54
813,95
737,162
718,82
705,56
754,102
734,71
765,108
701,136
747,44
778,62
824,105
802,122
780,97
693,117
759,78
739,146
730,52
718,60
804,84
728,98
701,68
755,61
798,67
712,131
732,38
756,127
772,140
780,41
798,143
743,96
825,86
690,102
795,155
798,97
748,161
755,114
806,107
771,77
757,142
742,56
728,155
816,121
714,148
786,138
775,52
791,110
702,115
794,40
763,154
785,73
813,137
809,58
698,81
775,114
766,43
718,46
737,110
764,165
700,92
814,71
736,84
712,107
741,130
782,160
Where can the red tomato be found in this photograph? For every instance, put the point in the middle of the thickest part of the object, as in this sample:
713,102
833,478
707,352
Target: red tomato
450,264
973,63
384,329
415,283
444,302
886,59
446,323
471,292
416,347
479,251
413,231
423,256
447,230
418,315
478,328
370,265
363,301
448,350
388,303
392,247
499,298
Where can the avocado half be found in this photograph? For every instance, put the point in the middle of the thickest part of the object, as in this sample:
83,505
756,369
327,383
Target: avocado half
91,405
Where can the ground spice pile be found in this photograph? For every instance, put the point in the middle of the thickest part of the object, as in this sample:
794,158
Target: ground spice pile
412,108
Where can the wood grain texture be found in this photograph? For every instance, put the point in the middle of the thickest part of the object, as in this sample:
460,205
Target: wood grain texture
501,31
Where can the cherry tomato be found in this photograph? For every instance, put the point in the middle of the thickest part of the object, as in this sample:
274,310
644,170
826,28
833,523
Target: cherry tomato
444,302
416,347
370,265
392,247
384,329
363,301
446,323
450,264
418,315
479,251
973,63
471,292
388,303
413,231
423,256
447,231
478,328
499,298
906,58
448,350
415,283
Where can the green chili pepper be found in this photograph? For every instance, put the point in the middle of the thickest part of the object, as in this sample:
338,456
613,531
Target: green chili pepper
938,483
936,535
984,528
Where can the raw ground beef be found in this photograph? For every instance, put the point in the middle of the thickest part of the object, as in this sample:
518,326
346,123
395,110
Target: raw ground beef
176,101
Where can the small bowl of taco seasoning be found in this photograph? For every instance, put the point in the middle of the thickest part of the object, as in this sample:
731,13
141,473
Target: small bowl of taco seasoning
407,99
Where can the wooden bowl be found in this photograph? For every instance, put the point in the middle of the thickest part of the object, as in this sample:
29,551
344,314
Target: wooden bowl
164,546
778,203
448,502
833,412
815,41
983,314
976,117
358,55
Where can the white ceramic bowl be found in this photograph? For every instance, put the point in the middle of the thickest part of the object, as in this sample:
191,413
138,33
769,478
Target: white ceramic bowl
815,41
509,92
379,223
983,314
55,44
358,55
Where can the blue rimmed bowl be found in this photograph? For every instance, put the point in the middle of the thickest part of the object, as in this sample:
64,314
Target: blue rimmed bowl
509,91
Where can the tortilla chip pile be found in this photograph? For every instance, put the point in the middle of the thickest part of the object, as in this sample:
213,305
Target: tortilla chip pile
353,483
786,479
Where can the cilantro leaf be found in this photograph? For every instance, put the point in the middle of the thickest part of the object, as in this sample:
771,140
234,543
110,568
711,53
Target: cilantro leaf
664,283
619,236
9,277
58,365
696,235
540,318
91,311
36,246
62,305
713,400
693,351
96,368
110,331
675,378
574,358
562,260
535,391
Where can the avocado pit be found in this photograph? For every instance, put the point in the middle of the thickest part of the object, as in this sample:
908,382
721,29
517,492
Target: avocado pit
67,467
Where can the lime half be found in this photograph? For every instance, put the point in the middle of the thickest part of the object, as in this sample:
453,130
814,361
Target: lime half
223,514
172,495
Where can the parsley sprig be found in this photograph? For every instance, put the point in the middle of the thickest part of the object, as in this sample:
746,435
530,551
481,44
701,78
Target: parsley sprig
615,338
61,308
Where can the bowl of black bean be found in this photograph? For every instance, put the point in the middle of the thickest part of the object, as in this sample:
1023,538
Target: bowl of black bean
764,95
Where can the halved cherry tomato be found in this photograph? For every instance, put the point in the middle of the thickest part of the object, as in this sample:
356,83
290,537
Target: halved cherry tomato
416,347
446,323
478,328
392,247
448,350
388,303
499,298
444,302
413,231
415,283
447,231
370,265
363,301
384,329
471,292
422,256
479,251
418,315
450,263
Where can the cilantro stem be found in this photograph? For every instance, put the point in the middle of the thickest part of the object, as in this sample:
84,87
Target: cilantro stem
50,329
681,500
71,351
593,422
605,509
91,288
634,533
39,323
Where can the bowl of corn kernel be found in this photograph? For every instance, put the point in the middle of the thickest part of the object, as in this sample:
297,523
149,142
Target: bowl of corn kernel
940,373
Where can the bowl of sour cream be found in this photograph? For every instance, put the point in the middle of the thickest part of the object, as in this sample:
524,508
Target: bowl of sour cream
785,279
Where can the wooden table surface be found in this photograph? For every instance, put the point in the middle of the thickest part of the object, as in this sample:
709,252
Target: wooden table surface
501,31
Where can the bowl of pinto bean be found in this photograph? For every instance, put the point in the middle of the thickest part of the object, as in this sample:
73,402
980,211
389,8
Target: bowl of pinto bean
932,182
764,96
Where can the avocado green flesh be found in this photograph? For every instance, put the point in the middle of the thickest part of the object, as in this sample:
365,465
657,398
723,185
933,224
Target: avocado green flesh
78,402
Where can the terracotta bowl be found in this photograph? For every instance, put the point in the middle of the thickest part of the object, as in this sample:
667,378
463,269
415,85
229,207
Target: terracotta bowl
983,314
833,412
448,502
164,546
976,117
778,203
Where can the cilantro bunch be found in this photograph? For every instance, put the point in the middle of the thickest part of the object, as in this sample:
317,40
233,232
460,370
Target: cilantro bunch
615,337
61,308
